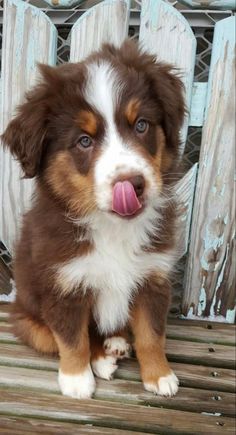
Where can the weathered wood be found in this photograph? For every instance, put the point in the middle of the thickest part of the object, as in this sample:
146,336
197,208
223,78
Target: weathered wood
113,415
177,351
184,191
28,37
188,399
32,426
106,22
210,271
210,4
188,374
188,330
165,33
198,104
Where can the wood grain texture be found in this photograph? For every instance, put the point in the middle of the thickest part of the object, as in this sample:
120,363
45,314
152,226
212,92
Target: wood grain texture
210,4
33,426
28,37
105,22
165,33
110,414
187,399
184,191
177,350
210,272
198,104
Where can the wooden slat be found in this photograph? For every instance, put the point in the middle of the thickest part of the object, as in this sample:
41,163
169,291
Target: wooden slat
106,22
190,330
165,33
198,104
184,191
28,37
33,426
210,271
19,426
177,350
188,374
187,399
109,414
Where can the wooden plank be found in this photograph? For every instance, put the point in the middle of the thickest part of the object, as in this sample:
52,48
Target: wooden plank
210,271
198,104
187,399
33,426
28,37
167,34
177,350
105,22
210,4
189,330
113,415
208,332
184,191
188,374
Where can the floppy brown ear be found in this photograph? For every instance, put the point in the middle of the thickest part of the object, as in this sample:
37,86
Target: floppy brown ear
25,134
170,94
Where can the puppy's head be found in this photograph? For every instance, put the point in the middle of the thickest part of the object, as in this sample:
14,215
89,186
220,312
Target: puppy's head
102,134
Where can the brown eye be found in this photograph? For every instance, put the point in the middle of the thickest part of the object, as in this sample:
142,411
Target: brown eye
85,141
141,126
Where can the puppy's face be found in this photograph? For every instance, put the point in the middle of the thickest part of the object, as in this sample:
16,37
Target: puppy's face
102,134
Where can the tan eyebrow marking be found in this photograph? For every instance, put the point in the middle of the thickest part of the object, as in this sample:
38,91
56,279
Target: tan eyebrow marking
131,110
87,121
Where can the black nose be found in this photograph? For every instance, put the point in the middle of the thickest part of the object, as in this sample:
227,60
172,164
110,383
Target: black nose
138,183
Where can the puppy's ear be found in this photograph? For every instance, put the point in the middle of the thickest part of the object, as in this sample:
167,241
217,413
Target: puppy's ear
170,94
26,133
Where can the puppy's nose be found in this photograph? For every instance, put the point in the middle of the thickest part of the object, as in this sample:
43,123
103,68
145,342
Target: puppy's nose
138,183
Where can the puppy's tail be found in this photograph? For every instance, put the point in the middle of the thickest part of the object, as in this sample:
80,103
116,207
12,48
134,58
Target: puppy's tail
32,332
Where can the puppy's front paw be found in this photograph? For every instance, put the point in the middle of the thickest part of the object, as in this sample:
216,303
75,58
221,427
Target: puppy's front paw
165,385
80,386
117,347
104,367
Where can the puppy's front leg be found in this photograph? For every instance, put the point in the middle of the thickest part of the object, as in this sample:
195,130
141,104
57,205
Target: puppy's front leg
69,322
148,319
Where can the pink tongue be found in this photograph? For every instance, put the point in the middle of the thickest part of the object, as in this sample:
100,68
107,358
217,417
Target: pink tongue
125,201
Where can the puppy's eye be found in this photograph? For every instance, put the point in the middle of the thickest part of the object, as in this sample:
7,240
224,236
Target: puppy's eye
85,141
141,126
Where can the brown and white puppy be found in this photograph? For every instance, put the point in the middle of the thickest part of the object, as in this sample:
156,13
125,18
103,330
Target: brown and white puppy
98,246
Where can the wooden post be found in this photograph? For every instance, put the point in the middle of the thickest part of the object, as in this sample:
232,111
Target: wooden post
210,272
28,37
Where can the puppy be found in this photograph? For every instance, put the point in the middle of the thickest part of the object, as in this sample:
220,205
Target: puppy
97,247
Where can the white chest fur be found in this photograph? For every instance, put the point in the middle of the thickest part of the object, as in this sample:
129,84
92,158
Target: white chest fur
113,270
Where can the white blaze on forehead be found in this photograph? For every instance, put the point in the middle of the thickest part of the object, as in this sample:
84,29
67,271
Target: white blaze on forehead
103,89
103,92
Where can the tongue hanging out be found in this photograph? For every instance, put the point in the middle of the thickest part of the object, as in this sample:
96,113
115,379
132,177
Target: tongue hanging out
124,200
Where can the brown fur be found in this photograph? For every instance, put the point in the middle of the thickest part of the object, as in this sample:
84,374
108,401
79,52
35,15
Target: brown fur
44,137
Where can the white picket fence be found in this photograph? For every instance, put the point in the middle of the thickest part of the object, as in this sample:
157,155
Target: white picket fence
30,37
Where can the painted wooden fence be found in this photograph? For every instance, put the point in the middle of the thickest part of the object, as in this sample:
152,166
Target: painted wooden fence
29,37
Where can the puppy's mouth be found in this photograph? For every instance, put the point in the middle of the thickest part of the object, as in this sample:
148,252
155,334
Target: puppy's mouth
125,201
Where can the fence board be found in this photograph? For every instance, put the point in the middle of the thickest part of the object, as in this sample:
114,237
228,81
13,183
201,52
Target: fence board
166,33
210,277
28,37
210,4
105,22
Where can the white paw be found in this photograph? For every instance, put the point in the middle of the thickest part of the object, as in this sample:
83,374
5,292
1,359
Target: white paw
104,367
117,346
165,386
80,386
